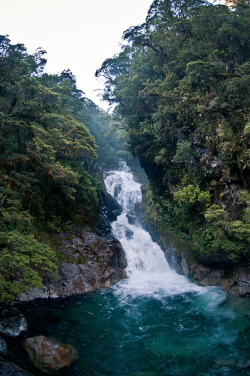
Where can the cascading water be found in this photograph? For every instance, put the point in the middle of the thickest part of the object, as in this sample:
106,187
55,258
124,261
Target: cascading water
154,323
148,270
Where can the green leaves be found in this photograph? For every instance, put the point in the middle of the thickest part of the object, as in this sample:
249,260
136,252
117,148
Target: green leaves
44,148
192,195
22,259
222,237
182,86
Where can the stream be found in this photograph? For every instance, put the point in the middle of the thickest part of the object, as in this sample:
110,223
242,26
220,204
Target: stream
154,323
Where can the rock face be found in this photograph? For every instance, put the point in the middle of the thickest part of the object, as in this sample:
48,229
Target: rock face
48,354
110,209
10,369
90,262
234,281
12,322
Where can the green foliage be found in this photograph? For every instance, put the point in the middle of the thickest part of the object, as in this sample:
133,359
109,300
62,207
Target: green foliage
23,259
230,238
47,154
192,195
44,144
109,134
181,86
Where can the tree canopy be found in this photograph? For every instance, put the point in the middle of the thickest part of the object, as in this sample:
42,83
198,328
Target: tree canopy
181,84
46,151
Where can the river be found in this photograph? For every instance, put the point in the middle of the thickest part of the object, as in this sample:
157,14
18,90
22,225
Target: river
154,323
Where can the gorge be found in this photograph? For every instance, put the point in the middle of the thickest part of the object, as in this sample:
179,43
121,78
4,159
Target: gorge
155,322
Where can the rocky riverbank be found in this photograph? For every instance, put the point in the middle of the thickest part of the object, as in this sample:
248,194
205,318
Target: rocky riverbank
234,279
88,262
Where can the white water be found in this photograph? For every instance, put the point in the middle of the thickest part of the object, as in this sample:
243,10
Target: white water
148,270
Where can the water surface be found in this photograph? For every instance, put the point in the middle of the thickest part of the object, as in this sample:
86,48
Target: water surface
156,322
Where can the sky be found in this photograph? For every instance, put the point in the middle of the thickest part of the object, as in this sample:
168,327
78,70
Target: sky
77,34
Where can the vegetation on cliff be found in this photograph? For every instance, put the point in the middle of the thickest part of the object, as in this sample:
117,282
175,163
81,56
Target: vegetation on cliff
181,85
48,164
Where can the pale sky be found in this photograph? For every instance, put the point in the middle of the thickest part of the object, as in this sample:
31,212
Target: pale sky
77,34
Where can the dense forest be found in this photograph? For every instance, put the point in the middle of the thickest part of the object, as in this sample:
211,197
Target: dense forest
181,86
49,164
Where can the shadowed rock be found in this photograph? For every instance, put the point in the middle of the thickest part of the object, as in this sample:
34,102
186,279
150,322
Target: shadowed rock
3,346
12,322
10,369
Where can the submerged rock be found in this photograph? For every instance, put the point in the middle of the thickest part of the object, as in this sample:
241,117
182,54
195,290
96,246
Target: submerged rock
12,322
3,346
143,373
129,234
48,354
222,362
243,365
90,263
10,369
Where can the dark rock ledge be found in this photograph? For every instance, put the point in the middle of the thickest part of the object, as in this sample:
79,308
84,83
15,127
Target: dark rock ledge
10,369
89,262
234,280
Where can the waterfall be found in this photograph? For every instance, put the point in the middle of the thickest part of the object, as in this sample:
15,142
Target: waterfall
148,270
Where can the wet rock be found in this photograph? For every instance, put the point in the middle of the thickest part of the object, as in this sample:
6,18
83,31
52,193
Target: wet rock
10,369
91,263
3,346
111,206
221,362
232,280
132,217
201,272
129,234
103,227
241,278
117,190
48,354
214,278
12,322
185,266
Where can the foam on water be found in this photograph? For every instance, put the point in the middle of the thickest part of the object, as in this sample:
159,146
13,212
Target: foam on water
148,271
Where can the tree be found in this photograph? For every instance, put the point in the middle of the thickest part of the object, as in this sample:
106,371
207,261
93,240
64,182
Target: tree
181,83
44,150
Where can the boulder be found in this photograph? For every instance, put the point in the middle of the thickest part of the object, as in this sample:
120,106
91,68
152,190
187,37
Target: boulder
132,217
48,354
90,263
12,322
3,346
10,369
